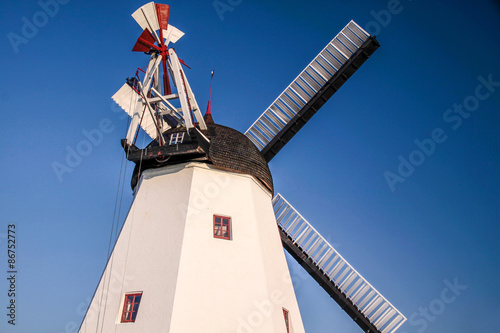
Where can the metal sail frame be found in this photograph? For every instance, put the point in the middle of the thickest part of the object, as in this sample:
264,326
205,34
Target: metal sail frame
356,296
293,108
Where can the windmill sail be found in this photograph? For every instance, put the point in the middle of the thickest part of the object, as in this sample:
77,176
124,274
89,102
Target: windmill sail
368,308
311,89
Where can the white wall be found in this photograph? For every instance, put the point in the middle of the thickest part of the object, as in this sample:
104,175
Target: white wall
191,281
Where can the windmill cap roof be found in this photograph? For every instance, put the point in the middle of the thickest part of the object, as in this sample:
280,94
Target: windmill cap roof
229,150
232,150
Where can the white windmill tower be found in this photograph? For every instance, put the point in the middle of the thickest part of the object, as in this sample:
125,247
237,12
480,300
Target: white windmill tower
200,250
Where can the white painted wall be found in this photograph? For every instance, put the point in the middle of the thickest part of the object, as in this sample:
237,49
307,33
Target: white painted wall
191,281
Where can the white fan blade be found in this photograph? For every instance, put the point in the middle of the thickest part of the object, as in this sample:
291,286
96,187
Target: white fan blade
131,102
127,99
146,17
172,34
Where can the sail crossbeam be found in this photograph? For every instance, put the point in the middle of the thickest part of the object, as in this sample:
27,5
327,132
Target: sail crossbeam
325,264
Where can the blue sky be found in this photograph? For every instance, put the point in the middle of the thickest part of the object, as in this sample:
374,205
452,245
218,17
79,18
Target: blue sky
440,224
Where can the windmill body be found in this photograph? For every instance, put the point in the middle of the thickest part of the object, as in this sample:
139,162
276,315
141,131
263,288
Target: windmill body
189,280
201,249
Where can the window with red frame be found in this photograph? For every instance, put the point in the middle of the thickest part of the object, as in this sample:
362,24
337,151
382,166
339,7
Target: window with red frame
130,307
287,321
222,227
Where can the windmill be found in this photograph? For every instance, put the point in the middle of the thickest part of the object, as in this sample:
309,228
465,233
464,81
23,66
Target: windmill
199,250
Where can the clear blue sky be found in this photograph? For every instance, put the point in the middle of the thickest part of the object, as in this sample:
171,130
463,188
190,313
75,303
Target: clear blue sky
441,223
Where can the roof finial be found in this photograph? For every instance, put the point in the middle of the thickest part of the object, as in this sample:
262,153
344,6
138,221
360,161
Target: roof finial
208,114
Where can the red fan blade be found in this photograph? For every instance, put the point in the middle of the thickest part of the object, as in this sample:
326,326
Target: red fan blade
162,11
145,42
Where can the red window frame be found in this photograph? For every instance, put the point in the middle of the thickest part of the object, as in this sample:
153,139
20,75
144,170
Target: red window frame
131,307
222,227
287,320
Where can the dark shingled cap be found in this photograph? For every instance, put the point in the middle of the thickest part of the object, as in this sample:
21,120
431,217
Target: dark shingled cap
229,150
233,151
